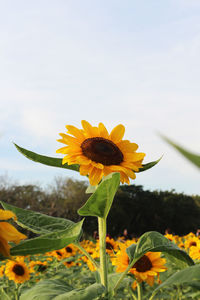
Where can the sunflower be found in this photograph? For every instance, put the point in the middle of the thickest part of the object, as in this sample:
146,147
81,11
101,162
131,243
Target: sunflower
192,242
195,252
145,269
8,233
111,245
39,266
99,153
17,271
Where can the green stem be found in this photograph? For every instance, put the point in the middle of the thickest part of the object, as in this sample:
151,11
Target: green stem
132,294
17,291
87,255
102,245
139,290
152,296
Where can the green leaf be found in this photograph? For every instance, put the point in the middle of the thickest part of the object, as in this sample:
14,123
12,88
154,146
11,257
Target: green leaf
186,276
149,165
153,241
59,290
56,233
37,222
46,290
100,201
46,160
49,242
91,189
4,295
194,158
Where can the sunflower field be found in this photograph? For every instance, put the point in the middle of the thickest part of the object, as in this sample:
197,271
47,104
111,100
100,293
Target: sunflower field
42,275
57,263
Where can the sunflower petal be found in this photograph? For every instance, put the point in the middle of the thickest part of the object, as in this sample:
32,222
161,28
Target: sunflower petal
6,214
103,131
75,132
117,133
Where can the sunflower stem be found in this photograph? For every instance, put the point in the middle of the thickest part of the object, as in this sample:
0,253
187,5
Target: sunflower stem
103,259
95,264
139,291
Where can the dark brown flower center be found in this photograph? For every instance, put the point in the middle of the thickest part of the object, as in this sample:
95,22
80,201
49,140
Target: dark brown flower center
143,264
68,249
109,246
102,151
42,268
58,253
18,270
193,244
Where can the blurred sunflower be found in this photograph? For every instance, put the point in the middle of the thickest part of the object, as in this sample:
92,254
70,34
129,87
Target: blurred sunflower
145,269
17,270
195,252
99,153
8,233
192,241
37,266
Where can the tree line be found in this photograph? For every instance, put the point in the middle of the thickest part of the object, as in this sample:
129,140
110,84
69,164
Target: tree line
134,209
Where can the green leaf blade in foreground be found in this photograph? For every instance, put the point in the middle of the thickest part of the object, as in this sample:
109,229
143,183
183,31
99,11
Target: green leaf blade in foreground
59,290
99,203
188,275
46,160
56,233
194,158
149,165
49,242
37,222
155,242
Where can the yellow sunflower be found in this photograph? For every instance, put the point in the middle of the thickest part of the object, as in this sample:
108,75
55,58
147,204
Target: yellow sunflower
195,252
192,242
145,269
17,271
8,233
99,153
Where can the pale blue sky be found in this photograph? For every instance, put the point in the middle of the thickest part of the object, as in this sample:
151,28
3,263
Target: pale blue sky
130,62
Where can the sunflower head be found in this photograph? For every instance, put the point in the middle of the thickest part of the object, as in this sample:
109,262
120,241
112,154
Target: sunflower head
99,153
17,271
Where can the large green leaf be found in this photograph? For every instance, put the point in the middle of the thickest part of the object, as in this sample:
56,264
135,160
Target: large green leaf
188,275
100,201
46,290
59,290
48,242
194,158
37,222
149,165
46,160
153,241
56,233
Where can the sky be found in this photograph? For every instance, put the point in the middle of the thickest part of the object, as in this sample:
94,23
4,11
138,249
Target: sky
135,63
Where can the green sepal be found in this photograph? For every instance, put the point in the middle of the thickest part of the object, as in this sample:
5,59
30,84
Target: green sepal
153,241
46,160
100,201
149,165
194,158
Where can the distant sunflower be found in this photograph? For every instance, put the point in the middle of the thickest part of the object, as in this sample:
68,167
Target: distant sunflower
145,269
111,245
99,153
17,271
192,241
195,252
